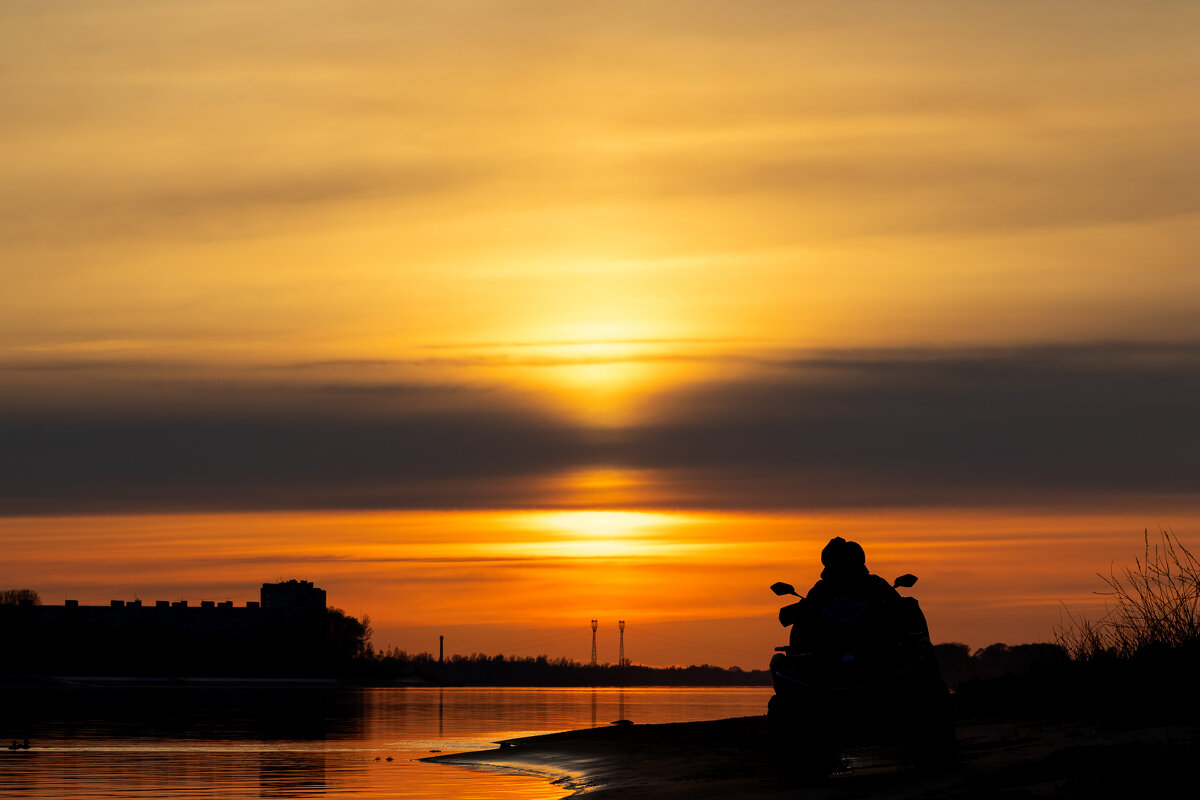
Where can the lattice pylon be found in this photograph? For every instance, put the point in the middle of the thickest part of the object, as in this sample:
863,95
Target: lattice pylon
621,650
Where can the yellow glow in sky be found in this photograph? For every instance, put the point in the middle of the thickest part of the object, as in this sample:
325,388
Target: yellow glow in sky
649,286
261,183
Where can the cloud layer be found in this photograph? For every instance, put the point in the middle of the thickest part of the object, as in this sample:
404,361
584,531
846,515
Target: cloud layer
1082,424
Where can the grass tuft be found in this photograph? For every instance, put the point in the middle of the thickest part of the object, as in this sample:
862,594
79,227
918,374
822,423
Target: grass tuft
1153,607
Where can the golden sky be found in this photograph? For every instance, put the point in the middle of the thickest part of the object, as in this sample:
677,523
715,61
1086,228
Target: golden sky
489,258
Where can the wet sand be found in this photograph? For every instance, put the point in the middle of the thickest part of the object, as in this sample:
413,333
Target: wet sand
727,759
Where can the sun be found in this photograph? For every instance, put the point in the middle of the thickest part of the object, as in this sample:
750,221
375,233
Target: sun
597,371
601,534
606,524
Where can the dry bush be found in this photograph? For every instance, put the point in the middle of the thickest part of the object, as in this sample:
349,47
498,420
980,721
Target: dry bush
1153,605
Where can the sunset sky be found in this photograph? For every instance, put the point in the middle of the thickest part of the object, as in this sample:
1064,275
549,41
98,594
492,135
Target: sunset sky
492,318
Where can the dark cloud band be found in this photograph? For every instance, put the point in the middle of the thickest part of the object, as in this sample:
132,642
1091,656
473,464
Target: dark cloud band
819,430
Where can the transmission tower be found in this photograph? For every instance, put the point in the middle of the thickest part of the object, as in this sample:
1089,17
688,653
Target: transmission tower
621,651
593,643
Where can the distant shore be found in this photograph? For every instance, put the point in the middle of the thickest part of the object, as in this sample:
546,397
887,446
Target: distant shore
9,682
350,682
141,681
728,758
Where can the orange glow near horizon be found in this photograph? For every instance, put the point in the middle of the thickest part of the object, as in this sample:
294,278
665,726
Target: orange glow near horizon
504,581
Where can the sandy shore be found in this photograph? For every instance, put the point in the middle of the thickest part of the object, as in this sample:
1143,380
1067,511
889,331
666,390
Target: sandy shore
727,759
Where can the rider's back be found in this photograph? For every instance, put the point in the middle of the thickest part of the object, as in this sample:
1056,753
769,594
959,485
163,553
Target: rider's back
853,614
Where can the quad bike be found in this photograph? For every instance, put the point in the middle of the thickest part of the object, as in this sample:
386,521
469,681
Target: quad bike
856,671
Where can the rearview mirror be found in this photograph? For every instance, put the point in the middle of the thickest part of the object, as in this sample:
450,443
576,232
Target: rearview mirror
783,588
905,581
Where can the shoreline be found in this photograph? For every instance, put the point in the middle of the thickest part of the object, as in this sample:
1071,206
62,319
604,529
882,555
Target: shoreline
619,758
728,758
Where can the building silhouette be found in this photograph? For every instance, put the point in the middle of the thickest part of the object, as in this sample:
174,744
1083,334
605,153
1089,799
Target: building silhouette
292,595
288,631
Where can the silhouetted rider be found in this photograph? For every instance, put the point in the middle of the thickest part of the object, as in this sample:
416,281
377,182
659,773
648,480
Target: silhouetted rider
859,661
848,605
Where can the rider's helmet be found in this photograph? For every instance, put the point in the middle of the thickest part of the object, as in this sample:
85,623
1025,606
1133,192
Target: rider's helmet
843,559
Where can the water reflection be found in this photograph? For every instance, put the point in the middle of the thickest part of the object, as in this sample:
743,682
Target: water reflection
185,713
314,743
291,774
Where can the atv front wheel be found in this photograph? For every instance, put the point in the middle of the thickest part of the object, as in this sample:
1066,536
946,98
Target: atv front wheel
799,756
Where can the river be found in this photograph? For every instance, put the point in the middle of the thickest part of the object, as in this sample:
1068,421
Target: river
312,743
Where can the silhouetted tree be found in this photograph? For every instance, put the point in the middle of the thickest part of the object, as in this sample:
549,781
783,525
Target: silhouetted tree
347,638
954,662
19,597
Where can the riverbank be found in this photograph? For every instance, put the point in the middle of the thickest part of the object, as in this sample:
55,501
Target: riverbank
728,758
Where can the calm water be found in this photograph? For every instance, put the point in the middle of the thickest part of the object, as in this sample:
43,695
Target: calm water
281,743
